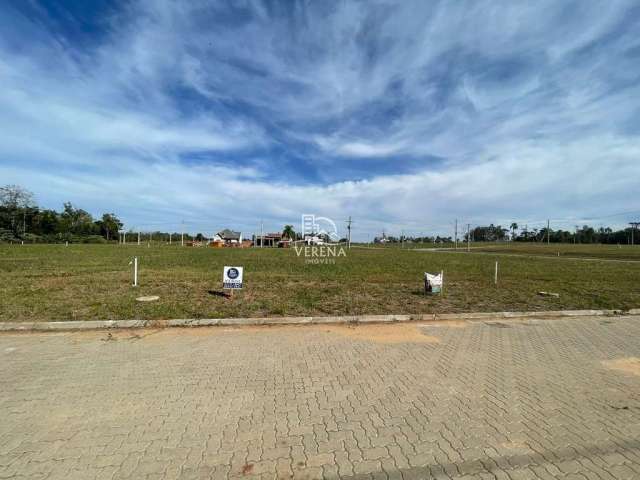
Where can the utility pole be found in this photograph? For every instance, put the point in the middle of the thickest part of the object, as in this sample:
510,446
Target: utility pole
402,239
456,234
468,237
182,235
138,238
169,238
349,232
634,225
548,232
261,233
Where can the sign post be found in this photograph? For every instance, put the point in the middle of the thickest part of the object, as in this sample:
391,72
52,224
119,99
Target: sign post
232,278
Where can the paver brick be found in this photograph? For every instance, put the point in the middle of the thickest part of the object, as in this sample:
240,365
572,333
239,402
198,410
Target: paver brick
531,401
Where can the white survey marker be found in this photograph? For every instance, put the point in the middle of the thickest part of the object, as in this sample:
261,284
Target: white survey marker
232,277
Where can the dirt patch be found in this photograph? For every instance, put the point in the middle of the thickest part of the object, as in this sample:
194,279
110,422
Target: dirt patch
382,333
516,447
627,365
171,332
447,323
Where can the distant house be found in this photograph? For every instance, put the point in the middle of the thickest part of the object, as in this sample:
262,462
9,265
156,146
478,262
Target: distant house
194,243
227,237
314,240
285,243
217,241
267,240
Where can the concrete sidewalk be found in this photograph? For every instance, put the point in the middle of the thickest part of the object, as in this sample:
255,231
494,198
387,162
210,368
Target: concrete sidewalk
344,319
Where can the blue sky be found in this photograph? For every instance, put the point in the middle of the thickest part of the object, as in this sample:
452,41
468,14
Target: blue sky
404,115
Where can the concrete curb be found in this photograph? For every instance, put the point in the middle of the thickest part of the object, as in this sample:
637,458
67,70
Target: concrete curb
352,319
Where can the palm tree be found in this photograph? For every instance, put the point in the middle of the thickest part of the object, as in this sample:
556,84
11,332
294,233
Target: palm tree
514,227
288,232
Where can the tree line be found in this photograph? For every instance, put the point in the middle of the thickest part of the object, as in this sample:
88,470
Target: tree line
497,233
22,220
584,234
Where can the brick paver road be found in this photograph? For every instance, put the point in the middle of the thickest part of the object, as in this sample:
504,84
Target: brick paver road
497,400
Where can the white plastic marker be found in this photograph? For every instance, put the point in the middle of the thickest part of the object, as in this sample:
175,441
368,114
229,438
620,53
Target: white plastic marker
135,271
495,280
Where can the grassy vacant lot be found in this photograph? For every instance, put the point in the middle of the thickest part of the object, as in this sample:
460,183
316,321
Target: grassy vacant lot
621,252
82,282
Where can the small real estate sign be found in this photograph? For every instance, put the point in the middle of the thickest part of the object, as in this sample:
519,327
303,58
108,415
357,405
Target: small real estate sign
232,277
433,283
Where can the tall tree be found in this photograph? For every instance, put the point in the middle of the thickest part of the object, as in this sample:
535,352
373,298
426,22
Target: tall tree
15,196
109,226
78,221
514,228
14,201
288,232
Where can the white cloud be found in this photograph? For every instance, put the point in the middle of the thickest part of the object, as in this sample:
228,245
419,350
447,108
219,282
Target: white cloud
529,108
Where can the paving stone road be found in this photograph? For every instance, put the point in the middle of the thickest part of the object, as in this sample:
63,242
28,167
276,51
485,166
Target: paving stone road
535,399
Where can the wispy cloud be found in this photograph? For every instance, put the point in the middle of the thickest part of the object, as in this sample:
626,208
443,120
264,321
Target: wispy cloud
405,114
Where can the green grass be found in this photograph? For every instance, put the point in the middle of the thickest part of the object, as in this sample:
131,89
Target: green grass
84,282
405,246
611,252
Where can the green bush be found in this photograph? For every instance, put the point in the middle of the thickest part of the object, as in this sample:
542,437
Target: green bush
6,236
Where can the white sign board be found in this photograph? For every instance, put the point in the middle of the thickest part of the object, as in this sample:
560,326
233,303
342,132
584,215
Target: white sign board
433,283
232,277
